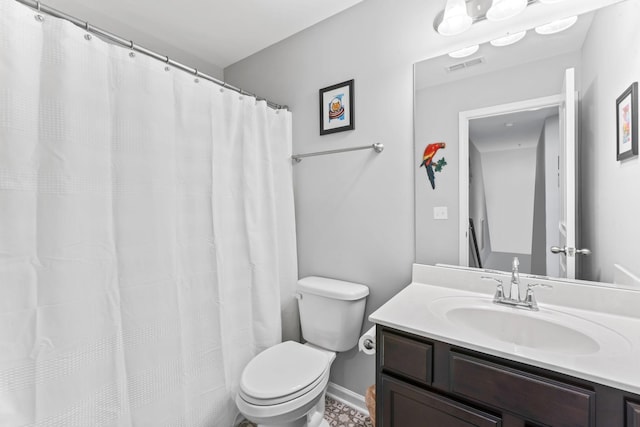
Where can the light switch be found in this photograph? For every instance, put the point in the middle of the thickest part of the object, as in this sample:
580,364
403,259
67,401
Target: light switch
440,212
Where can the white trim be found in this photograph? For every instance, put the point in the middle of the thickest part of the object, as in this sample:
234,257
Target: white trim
570,108
463,183
463,159
348,397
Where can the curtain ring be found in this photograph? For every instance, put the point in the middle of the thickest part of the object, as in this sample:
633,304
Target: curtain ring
86,25
130,44
166,59
38,6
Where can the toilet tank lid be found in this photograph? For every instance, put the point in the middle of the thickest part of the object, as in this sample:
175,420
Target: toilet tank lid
332,288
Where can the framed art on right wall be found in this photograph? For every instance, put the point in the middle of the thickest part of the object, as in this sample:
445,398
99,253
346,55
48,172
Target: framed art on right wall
627,123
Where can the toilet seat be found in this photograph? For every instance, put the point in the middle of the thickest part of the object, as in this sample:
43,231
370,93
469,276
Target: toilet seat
285,412
283,373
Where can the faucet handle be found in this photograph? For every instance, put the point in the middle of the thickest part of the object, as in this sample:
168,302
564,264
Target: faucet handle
530,286
492,278
499,295
530,298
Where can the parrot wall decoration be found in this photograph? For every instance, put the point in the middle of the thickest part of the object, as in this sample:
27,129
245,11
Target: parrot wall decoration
427,161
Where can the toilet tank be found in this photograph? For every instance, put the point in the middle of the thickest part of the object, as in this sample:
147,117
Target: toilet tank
331,312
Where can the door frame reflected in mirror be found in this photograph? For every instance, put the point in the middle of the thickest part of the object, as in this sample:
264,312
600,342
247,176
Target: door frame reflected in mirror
464,117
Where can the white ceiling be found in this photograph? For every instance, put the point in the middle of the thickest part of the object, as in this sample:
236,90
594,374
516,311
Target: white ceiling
492,133
533,47
213,34
206,34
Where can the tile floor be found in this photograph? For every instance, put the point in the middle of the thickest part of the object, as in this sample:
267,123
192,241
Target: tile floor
338,414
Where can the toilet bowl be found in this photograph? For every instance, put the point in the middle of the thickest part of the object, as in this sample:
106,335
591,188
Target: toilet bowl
285,385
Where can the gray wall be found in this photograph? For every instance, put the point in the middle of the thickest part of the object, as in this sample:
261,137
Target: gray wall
354,211
478,203
539,241
610,203
552,193
510,181
436,119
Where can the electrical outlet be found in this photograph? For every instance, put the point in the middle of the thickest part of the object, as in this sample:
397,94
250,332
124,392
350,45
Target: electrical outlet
440,212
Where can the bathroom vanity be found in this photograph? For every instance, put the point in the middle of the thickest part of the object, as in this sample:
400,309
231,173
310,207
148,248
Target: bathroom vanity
447,356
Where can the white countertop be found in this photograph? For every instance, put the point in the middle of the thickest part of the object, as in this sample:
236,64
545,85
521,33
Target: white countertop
417,310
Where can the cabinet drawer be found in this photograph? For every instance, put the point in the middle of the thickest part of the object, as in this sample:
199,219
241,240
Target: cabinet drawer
633,414
535,398
409,406
407,357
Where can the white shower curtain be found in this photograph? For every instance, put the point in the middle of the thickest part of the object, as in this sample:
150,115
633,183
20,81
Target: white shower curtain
147,236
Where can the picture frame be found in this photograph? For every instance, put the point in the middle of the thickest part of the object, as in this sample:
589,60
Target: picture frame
627,123
336,108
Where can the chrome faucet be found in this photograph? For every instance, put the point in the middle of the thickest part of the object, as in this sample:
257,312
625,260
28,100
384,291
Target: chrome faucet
514,290
529,302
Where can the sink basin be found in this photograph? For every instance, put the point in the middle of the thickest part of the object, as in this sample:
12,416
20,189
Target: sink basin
523,330
545,330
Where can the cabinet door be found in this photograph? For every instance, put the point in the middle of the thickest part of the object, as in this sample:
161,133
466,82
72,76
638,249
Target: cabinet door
633,414
409,406
532,397
406,357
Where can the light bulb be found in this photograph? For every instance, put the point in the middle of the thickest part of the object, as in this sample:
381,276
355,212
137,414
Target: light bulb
455,20
556,26
508,39
464,52
505,9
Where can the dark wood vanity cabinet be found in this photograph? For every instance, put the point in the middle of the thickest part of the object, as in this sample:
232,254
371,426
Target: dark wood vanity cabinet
407,405
426,383
633,414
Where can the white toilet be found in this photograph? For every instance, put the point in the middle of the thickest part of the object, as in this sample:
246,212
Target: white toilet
285,385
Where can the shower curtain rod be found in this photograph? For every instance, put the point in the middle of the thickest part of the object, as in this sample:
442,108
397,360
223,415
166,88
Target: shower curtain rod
40,7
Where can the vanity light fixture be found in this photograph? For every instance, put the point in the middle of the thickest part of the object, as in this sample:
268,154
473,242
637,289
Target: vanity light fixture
501,10
462,53
455,20
459,16
508,39
556,26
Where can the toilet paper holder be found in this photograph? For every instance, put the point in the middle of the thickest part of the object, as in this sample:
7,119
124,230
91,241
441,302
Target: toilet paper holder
367,342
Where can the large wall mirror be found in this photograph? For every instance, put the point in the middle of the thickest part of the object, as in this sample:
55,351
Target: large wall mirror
501,178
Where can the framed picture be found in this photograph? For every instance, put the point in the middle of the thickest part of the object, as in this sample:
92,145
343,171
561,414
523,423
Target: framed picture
336,108
627,123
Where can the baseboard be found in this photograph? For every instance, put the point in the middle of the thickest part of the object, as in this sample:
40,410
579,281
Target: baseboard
346,396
